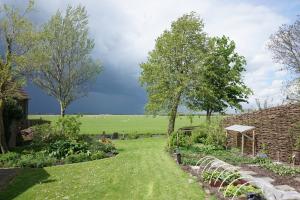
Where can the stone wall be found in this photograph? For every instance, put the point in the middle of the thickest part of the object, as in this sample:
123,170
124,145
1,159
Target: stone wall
273,127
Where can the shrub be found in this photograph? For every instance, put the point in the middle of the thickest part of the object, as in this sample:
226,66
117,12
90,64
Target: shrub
199,134
45,134
105,146
36,160
75,158
69,126
180,139
9,159
63,148
98,155
216,135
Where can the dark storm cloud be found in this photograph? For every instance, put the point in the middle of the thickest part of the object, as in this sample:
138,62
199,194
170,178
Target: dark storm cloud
116,90
124,31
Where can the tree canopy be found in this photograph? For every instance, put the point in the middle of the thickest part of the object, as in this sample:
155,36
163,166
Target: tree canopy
173,65
17,37
63,65
221,85
188,68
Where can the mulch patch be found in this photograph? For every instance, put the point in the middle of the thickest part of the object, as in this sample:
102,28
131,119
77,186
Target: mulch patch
278,180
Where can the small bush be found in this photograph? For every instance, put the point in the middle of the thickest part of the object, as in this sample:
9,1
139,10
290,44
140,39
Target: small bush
179,139
36,160
45,134
61,149
75,158
98,155
9,159
69,126
199,134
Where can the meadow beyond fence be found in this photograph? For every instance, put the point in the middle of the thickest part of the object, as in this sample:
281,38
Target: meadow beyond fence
127,124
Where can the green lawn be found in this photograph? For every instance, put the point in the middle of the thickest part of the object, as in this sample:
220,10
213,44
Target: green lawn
142,124
142,170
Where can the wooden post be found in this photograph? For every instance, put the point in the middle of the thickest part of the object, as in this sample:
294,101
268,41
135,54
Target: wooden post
242,143
253,143
226,139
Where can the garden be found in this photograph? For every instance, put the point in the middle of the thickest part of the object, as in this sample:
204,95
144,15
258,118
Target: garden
225,171
56,144
190,89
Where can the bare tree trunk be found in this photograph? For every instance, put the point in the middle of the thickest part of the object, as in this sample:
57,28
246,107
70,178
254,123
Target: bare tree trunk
62,109
173,114
3,144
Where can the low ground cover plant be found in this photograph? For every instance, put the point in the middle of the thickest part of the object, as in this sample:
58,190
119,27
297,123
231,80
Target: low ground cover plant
58,144
238,191
279,169
211,176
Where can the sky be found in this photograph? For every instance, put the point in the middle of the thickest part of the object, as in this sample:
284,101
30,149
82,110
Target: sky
125,31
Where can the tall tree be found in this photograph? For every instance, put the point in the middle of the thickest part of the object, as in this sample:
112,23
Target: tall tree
64,67
173,65
285,46
17,38
221,85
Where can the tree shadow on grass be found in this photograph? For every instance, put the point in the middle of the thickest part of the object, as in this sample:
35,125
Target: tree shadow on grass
25,179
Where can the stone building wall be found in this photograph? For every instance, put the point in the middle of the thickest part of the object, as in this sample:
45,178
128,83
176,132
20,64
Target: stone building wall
272,130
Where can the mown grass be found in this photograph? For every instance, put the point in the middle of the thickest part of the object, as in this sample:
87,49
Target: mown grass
128,124
142,170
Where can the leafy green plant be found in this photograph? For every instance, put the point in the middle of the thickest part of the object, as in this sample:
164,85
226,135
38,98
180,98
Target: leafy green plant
75,158
279,169
8,159
63,148
40,159
220,176
69,126
199,134
232,190
180,139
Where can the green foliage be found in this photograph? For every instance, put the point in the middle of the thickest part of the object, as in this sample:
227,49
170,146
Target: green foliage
199,134
222,85
210,134
279,169
98,155
8,159
36,160
173,66
66,128
232,190
220,176
69,126
63,148
79,157
17,38
179,139
62,64
45,134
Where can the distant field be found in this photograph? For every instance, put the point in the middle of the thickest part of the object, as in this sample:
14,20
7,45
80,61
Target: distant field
129,124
